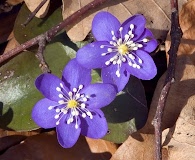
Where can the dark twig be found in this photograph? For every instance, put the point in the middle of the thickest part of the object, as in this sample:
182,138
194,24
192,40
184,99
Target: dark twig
43,65
34,13
176,34
53,31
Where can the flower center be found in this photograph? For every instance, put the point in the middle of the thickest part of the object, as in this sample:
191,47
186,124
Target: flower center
72,104
123,49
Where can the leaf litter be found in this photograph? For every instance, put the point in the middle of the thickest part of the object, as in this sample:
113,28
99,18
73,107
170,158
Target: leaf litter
179,115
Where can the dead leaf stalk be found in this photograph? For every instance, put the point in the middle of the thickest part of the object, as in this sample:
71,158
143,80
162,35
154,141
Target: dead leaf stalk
48,35
30,17
176,34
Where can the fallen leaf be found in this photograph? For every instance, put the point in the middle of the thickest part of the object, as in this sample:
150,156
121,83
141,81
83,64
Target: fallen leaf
32,5
138,147
180,139
11,44
9,138
156,12
179,114
45,146
184,86
14,2
135,148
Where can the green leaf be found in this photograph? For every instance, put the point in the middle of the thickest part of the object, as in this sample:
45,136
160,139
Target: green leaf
36,26
127,113
17,91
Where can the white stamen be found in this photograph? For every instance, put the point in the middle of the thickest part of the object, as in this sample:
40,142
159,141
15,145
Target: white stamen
71,119
131,56
84,99
74,90
81,86
124,59
140,45
68,121
131,26
77,95
112,32
145,40
57,110
129,42
120,29
83,115
50,107
65,111
118,73
76,113
56,116
107,62
119,61
109,49
88,113
126,37
114,62
140,61
135,48
76,126
70,94
114,38
132,35
134,65
102,46
138,67
61,85
130,63
58,89
73,113
82,105
60,95
61,102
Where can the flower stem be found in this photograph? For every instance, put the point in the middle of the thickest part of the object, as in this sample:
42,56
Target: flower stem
176,35
48,35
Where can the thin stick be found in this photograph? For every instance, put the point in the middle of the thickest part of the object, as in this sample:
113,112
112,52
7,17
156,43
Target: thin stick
53,31
43,65
176,34
30,17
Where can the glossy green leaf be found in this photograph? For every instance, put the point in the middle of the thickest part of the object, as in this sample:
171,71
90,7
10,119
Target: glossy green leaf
17,91
127,113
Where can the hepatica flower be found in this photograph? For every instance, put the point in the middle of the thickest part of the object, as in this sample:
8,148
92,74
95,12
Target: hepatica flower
121,50
72,104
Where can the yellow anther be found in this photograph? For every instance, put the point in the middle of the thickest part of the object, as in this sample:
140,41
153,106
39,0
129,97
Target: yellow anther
72,104
123,49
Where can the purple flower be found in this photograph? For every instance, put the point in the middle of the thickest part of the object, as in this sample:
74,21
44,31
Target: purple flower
120,49
72,104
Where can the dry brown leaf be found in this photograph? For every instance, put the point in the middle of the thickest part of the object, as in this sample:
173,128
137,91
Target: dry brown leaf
179,114
184,86
138,147
156,12
11,44
10,138
14,2
32,5
45,146
180,139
